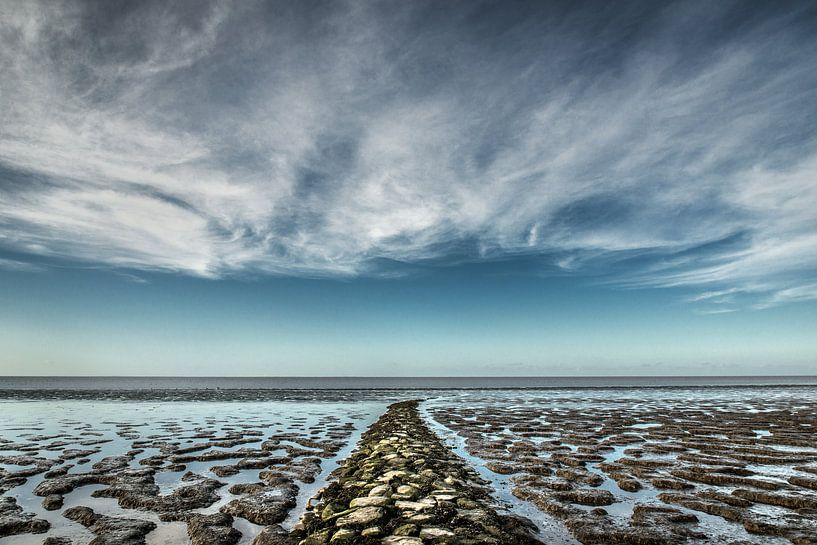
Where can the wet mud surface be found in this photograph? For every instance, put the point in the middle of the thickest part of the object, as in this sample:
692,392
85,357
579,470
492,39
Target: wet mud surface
606,466
209,394
165,473
651,471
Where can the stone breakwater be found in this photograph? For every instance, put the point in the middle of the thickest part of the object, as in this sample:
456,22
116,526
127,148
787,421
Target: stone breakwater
402,486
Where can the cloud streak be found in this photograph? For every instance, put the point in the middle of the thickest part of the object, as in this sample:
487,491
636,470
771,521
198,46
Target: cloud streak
669,146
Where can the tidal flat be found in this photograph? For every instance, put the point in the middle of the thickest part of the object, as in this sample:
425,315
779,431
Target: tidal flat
641,466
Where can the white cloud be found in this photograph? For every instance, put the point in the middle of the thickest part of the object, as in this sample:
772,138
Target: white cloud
228,144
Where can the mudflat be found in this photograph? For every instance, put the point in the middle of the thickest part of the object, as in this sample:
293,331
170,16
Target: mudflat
629,466
678,469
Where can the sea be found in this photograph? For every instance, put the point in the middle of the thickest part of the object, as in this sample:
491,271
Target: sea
389,383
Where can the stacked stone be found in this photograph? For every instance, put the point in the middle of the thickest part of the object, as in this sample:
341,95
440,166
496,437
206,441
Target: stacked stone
402,486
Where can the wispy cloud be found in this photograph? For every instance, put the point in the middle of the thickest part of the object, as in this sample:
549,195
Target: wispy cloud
669,147
19,266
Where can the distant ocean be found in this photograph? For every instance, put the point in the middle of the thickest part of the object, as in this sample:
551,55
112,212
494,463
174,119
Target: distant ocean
379,383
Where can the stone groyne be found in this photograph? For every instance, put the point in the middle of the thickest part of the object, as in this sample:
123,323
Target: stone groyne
403,486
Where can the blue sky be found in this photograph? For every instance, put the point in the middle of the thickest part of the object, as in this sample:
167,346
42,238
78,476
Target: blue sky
468,320
400,188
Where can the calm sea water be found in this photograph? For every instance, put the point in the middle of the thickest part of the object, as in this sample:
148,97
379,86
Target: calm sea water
412,383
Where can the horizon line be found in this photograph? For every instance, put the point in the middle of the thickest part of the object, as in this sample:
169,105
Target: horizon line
413,376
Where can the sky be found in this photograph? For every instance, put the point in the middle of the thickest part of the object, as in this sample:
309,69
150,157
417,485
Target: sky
408,188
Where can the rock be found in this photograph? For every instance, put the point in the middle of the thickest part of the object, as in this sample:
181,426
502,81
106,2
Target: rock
111,463
402,540
372,531
52,502
224,471
671,484
247,488
405,530
380,490
13,521
805,482
111,530
414,505
330,510
58,472
410,492
402,480
369,501
587,497
264,508
274,535
435,533
361,517
344,535
420,518
136,490
77,454
389,476
215,529
63,484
